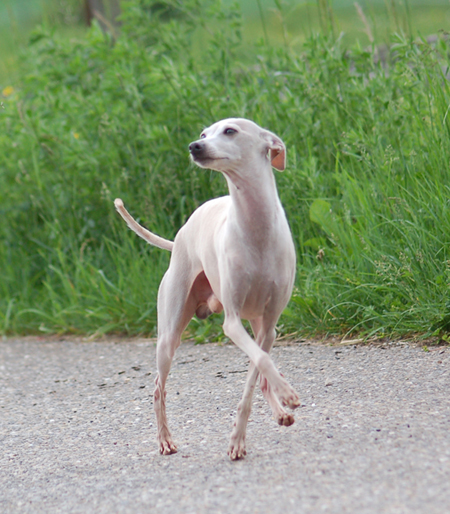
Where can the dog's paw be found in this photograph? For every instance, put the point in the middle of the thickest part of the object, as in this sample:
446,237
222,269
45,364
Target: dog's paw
167,447
293,401
237,450
288,397
285,419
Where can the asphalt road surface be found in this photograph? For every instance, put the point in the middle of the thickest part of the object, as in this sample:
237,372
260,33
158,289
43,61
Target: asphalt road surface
78,431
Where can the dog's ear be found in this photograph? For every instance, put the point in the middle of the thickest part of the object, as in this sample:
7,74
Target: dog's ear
276,149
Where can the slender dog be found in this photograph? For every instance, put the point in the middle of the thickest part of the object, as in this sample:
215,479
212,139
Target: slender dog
234,253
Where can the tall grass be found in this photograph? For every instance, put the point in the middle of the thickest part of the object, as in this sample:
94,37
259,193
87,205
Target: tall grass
366,190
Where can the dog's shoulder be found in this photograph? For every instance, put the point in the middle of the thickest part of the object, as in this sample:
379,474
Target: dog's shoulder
211,209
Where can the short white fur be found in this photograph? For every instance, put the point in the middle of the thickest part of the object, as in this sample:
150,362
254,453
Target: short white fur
234,253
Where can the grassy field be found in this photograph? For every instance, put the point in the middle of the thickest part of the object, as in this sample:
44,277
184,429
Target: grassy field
366,190
279,22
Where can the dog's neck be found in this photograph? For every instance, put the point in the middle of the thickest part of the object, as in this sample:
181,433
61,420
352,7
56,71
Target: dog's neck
255,203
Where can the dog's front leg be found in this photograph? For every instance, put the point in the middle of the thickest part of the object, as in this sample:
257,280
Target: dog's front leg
234,329
237,450
264,338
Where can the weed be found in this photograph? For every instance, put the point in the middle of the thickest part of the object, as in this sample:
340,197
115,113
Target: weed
366,189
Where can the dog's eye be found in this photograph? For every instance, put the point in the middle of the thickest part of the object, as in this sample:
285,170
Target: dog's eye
203,136
229,131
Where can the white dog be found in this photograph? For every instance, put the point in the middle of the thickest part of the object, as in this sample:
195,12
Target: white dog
234,253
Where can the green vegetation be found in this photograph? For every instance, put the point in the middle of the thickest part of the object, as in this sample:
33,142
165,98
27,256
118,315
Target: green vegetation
17,19
366,190
278,21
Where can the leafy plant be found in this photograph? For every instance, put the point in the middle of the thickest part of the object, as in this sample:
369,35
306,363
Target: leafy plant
366,189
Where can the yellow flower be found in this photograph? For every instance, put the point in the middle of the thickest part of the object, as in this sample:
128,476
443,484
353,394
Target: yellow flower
8,91
76,135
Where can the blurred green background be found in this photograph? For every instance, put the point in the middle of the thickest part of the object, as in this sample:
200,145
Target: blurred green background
361,101
261,20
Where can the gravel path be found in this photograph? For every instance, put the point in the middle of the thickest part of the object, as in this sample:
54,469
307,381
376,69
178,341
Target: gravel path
78,432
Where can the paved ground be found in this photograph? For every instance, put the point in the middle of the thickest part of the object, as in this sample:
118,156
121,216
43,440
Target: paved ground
77,431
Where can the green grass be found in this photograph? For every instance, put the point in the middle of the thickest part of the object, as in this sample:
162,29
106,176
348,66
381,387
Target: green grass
296,21
281,22
19,17
366,190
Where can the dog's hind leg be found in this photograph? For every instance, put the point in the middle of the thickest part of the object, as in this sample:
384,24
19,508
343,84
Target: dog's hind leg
166,346
176,306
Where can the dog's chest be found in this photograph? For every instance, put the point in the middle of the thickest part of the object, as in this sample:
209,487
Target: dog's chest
260,278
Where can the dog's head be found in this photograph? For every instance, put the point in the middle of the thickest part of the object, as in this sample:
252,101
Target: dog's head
237,144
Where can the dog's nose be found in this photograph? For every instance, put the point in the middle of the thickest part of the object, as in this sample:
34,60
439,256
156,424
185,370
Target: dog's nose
196,148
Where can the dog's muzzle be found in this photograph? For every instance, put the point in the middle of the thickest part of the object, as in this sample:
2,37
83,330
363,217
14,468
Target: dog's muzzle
197,150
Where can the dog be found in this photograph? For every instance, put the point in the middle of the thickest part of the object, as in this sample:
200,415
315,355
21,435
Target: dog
235,253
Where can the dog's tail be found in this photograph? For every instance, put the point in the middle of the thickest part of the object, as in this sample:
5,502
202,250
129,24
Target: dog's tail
148,236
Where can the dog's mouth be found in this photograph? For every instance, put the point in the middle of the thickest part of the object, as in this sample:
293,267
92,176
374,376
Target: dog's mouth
202,159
